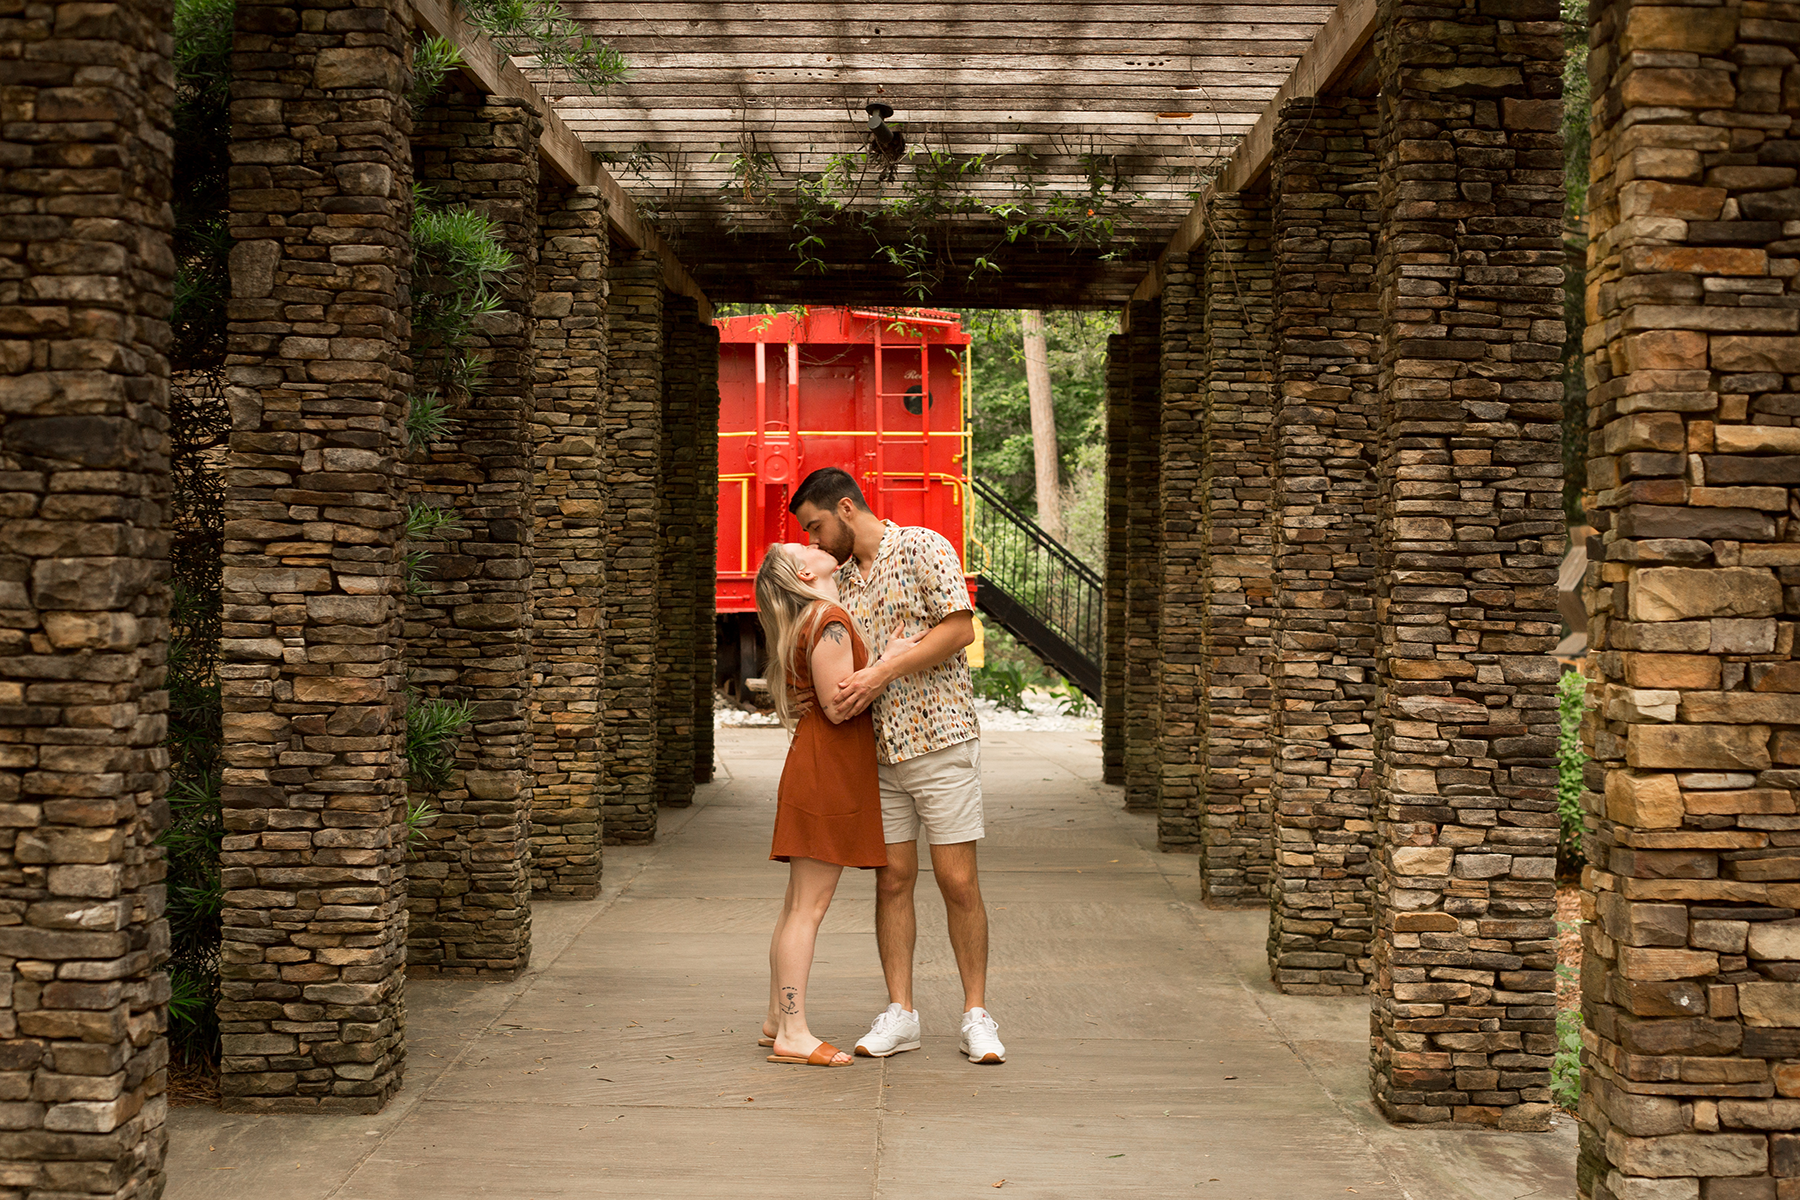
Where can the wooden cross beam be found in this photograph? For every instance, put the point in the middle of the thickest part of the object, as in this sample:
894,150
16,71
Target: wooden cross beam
1334,48
492,71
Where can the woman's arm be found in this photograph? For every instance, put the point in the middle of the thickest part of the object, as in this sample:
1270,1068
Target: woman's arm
833,661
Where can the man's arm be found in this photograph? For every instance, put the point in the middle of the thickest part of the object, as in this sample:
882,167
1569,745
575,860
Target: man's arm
937,645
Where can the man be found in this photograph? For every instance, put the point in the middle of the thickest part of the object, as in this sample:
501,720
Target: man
927,743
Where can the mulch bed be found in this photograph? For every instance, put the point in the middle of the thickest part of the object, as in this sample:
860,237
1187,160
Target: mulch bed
1568,943
193,1084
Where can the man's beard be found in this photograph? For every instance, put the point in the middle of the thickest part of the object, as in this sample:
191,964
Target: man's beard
841,544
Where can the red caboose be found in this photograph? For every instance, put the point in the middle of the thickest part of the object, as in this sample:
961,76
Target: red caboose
881,393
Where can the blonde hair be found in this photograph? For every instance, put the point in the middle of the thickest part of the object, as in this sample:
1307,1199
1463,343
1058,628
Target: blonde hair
784,603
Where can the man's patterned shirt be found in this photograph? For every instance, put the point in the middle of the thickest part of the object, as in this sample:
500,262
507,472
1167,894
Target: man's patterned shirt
915,582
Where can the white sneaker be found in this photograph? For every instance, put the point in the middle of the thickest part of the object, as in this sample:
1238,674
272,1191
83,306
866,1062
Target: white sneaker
894,1030
981,1037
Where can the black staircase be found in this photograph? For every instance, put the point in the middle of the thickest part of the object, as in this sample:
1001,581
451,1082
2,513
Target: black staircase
1035,587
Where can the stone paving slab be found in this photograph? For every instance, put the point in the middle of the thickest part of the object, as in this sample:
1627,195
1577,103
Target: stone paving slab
1149,1055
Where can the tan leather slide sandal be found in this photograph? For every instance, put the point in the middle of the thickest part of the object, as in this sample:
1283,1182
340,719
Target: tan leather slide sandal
821,1056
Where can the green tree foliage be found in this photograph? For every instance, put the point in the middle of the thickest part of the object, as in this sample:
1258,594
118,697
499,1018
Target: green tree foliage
1001,421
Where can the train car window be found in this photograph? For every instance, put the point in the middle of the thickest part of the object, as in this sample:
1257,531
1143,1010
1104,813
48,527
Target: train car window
914,404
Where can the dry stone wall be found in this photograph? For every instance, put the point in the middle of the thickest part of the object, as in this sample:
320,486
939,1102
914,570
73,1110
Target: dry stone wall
85,281
1471,533
1182,551
677,538
631,614
569,358
706,541
1236,491
468,619
1324,451
1118,475
1691,976
314,783
1143,581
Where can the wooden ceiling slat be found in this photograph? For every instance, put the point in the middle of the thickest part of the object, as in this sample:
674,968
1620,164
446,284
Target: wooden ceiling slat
690,18
786,121
1060,79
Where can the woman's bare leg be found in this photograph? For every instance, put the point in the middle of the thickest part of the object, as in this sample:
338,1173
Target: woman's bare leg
811,884
772,1022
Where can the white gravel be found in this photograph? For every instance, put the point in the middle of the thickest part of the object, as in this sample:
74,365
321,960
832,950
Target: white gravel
1045,716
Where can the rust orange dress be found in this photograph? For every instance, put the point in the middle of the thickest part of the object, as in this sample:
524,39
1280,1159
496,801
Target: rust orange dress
828,806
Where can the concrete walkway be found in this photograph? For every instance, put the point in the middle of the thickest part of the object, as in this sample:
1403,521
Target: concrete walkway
1148,1054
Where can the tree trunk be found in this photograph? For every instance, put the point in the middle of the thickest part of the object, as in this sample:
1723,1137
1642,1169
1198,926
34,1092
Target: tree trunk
1043,423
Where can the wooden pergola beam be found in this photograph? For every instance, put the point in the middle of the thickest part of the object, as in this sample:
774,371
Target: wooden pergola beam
489,68
1336,46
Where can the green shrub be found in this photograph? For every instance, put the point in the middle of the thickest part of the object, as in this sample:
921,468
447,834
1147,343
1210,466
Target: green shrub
1565,1068
1571,696
1003,683
1071,700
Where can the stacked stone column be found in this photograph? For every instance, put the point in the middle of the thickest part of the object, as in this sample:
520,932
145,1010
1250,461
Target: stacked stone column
676,631
569,355
1118,476
1236,493
1691,975
85,278
1327,230
631,609
1181,542
706,540
314,783
1143,580
468,619
1471,532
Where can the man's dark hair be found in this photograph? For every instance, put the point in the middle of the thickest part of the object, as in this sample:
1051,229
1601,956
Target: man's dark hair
825,487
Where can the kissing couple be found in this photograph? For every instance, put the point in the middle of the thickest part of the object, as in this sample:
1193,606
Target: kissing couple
866,624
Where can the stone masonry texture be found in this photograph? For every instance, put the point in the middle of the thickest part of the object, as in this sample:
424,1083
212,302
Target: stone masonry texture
1471,532
1235,496
1181,759
314,787
569,356
1691,977
1327,228
1143,581
677,632
468,620
85,280
1118,474
631,615
706,541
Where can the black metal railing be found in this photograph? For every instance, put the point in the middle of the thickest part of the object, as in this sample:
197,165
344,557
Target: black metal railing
1036,587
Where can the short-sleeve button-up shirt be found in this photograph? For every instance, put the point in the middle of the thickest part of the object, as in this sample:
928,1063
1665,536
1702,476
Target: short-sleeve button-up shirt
915,582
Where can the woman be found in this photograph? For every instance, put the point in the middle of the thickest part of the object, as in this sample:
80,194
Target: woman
828,810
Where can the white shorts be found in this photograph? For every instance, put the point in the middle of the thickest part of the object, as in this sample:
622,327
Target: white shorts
940,790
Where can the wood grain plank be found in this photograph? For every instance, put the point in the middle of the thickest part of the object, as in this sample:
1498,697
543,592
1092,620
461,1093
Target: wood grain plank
1340,42
494,73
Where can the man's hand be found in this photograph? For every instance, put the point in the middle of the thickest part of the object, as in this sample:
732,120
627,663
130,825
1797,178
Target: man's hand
907,656
856,693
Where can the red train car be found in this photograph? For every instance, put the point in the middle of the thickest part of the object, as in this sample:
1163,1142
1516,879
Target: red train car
881,393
